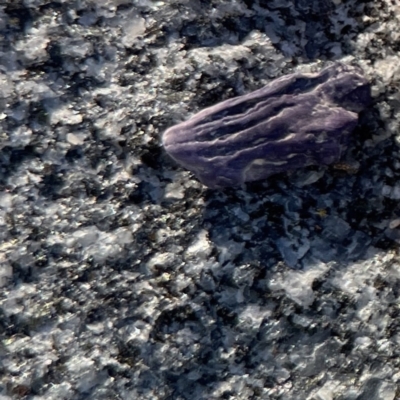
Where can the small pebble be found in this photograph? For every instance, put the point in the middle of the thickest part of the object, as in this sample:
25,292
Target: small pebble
294,121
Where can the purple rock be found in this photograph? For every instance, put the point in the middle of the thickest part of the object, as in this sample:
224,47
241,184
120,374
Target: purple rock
295,121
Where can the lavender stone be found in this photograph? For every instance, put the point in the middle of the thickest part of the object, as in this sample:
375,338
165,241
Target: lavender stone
295,121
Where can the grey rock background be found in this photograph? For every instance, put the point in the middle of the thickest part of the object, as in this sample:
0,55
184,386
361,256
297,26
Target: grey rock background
122,277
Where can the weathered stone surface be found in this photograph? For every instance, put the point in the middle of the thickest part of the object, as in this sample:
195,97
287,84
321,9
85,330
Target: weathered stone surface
314,7
295,121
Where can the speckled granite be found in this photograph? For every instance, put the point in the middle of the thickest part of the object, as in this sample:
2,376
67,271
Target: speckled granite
122,277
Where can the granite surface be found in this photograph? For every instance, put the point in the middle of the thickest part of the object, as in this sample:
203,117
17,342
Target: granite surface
122,277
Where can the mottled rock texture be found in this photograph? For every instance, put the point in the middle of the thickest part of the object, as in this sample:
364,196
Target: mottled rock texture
295,121
314,7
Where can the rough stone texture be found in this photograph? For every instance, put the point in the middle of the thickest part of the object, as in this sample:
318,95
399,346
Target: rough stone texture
293,122
315,8
122,277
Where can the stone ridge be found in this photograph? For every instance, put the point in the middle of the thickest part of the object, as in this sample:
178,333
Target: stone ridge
294,121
